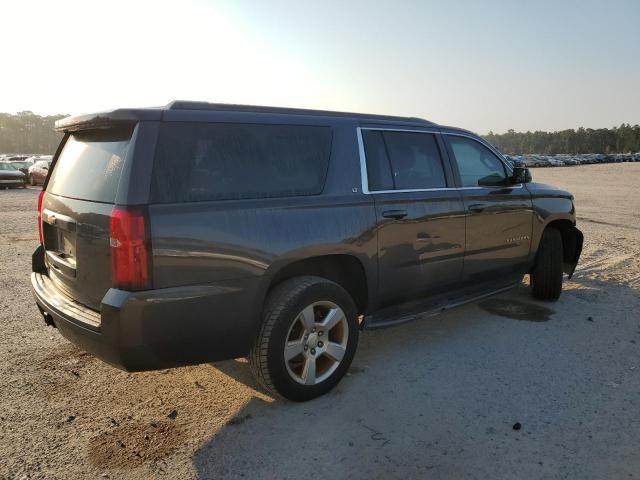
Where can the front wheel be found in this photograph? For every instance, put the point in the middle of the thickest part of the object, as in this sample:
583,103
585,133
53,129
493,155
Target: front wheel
307,340
546,277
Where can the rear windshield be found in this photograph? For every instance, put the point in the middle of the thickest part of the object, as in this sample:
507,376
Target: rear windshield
200,162
90,165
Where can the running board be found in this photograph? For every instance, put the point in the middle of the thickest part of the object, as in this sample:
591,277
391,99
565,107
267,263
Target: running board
392,316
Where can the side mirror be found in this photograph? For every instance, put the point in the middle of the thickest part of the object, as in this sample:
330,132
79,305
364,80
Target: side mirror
521,175
46,168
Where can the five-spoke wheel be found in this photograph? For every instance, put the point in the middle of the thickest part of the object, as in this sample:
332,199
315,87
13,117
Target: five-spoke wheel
316,342
307,340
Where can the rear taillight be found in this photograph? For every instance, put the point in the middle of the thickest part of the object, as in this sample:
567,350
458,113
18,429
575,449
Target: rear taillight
130,249
40,197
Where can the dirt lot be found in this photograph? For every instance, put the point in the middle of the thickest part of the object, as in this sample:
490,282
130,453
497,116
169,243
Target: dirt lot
432,399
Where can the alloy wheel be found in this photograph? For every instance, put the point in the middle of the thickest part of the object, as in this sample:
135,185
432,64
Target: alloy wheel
316,343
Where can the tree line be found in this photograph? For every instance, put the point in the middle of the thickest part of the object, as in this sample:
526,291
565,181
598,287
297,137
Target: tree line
26,132
622,139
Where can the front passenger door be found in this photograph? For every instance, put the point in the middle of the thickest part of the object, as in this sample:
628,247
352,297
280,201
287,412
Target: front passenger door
499,215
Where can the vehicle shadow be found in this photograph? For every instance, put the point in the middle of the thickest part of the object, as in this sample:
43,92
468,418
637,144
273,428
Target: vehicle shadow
239,370
434,398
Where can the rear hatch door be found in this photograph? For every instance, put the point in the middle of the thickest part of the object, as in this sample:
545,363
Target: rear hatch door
76,210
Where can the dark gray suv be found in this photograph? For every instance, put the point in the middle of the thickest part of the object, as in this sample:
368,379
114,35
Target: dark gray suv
201,232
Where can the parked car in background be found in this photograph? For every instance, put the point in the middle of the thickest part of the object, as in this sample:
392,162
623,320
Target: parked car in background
23,166
36,158
37,173
566,159
554,162
542,162
11,176
529,162
15,158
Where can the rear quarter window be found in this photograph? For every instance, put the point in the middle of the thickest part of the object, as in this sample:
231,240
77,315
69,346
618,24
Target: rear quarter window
207,161
90,165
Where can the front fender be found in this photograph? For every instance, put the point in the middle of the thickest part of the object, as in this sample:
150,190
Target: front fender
572,240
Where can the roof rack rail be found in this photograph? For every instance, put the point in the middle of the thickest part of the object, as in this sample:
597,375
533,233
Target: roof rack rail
196,105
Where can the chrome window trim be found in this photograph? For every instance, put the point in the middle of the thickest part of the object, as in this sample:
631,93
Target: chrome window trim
363,162
364,178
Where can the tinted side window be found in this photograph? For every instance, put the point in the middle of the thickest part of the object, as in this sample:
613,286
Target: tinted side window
476,162
403,160
217,161
415,160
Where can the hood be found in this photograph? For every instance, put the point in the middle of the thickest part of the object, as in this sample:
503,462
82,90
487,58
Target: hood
544,190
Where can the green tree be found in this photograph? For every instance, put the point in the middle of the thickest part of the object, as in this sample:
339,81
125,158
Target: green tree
27,132
622,139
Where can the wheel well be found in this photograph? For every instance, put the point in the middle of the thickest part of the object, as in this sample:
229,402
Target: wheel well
345,270
567,232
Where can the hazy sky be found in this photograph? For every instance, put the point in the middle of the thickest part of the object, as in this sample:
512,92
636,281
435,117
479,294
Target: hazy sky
483,65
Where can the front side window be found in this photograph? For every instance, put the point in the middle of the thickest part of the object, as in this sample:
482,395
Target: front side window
218,161
403,160
477,165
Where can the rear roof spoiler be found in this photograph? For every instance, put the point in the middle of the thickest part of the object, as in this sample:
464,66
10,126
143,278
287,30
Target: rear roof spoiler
107,119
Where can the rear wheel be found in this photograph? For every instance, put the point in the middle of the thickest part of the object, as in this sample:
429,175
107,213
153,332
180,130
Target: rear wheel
307,340
546,277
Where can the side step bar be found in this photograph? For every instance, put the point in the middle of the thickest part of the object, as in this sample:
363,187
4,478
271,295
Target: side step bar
392,316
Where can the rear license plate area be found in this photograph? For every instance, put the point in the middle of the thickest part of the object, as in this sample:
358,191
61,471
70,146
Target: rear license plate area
59,234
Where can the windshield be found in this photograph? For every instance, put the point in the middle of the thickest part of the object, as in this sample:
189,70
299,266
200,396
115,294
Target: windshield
7,166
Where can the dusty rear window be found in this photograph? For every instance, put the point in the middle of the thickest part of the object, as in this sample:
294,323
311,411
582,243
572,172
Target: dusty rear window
90,165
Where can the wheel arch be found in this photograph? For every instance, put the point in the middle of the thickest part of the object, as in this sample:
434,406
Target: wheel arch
572,240
346,270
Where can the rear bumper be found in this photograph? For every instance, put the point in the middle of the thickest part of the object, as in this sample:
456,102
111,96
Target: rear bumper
157,329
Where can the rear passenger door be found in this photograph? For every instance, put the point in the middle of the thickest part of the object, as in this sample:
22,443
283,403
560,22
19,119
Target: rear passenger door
499,214
420,215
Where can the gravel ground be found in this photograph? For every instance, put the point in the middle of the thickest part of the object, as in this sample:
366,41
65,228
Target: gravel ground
438,398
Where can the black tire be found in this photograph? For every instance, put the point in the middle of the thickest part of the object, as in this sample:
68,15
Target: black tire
546,277
282,308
